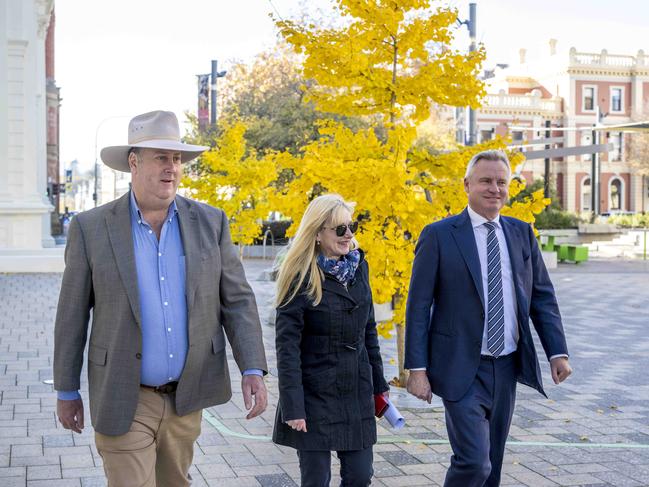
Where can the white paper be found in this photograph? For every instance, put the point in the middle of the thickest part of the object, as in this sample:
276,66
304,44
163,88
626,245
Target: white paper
394,416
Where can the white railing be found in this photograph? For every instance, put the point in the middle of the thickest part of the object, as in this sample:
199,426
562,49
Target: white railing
605,59
531,101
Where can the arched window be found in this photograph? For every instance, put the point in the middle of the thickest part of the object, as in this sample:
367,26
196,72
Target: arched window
615,194
586,198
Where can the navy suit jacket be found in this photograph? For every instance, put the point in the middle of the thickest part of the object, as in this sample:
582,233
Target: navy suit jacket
446,307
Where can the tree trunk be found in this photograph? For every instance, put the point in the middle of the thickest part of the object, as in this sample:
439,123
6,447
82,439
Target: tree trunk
401,347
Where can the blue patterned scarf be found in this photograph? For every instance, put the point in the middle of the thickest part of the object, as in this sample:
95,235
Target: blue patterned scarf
342,269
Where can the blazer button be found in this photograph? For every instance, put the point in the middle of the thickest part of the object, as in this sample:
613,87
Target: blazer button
138,355
482,315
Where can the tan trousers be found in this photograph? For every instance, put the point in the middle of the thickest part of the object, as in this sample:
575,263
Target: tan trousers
158,449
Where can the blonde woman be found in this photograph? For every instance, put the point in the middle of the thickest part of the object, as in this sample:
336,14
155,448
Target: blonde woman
328,355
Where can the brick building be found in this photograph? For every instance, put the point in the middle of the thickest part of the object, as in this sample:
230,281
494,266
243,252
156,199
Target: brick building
568,90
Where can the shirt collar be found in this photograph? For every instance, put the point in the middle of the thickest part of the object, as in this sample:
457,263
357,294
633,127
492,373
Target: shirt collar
137,214
478,220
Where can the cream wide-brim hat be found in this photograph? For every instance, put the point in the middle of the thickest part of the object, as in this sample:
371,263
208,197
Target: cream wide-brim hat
153,130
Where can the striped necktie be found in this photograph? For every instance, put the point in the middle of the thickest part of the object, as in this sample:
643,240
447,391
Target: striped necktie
495,309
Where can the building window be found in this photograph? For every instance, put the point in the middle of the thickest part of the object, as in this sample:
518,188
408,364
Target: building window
616,99
486,135
517,136
585,195
589,98
615,195
617,139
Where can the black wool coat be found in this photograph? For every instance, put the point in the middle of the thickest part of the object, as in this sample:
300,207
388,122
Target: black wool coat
329,366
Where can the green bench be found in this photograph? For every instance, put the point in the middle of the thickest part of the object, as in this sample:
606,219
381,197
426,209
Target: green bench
549,244
565,252
572,253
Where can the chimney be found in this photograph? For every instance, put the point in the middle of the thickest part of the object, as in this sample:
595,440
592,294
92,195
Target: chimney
553,47
521,54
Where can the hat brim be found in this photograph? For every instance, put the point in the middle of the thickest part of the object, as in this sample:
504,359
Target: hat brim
116,156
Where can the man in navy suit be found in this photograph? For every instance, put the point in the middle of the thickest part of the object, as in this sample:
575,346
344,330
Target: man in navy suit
477,279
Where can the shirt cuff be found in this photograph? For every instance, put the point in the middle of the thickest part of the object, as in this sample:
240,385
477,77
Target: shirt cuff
68,395
558,355
419,368
258,372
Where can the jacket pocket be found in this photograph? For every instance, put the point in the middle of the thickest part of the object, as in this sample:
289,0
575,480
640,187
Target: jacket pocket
97,355
218,344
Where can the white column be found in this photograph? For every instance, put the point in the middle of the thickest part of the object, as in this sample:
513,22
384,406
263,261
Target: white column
24,208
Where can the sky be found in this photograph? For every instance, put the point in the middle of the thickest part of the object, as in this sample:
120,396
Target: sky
116,59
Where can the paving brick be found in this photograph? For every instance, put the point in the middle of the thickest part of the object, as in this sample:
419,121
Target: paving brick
13,482
400,458
410,480
215,470
275,480
43,472
240,459
55,483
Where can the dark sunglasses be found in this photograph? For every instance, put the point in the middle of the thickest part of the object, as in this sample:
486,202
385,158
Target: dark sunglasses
341,230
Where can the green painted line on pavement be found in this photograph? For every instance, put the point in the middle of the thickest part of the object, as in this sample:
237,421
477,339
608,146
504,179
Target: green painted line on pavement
397,439
224,430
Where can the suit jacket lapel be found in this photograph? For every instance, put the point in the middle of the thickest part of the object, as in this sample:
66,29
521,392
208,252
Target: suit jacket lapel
118,223
465,239
192,244
515,258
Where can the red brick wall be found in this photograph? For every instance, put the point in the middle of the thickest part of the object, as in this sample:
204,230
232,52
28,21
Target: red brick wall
605,190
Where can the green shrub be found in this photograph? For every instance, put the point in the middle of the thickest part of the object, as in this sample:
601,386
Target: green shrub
553,218
639,220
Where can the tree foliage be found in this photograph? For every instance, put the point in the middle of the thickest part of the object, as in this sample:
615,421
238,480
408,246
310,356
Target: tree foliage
390,63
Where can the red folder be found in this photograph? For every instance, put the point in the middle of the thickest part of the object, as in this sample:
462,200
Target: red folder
380,405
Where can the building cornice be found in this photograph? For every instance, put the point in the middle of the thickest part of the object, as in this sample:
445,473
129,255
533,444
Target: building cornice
518,112
43,15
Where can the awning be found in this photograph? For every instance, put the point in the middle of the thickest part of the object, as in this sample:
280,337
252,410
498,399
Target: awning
624,127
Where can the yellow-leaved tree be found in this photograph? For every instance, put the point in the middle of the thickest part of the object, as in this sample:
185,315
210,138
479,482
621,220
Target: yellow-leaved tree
234,179
391,63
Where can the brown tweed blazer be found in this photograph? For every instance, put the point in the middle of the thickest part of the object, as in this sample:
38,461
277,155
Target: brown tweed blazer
100,276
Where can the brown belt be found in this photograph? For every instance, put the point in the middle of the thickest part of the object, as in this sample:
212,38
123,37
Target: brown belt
168,388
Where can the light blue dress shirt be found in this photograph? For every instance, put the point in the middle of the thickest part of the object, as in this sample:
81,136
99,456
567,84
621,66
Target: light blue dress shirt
163,307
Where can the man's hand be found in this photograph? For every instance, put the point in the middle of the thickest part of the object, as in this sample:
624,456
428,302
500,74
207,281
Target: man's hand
419,386
253,385
560,368
70,414
297,424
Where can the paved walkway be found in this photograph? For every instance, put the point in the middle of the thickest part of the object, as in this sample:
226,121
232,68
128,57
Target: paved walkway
593,431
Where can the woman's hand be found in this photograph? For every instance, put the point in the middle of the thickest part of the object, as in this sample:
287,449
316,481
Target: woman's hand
297,424
386,394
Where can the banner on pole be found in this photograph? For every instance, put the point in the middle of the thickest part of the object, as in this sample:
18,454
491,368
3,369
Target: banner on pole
203,100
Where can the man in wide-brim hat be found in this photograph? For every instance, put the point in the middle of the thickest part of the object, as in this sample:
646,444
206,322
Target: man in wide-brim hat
165,285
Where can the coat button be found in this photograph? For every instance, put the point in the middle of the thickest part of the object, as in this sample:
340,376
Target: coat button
482,315
138,355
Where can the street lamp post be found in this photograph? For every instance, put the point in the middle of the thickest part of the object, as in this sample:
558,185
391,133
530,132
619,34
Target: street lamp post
216,74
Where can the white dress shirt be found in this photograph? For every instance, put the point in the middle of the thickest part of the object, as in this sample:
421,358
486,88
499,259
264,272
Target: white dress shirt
480,231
